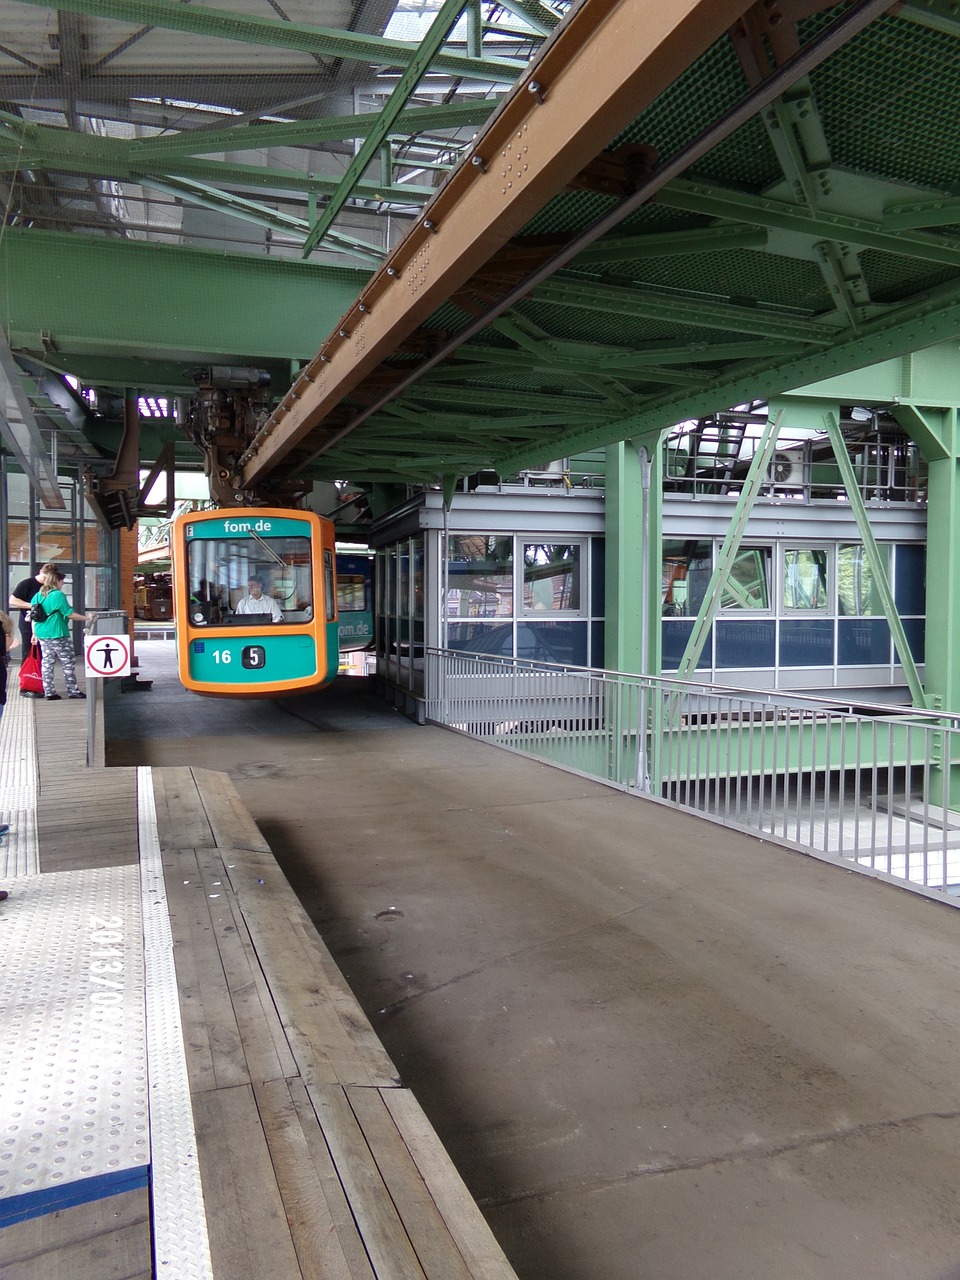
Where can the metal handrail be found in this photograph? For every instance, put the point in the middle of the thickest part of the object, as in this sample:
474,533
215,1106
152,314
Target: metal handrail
870,786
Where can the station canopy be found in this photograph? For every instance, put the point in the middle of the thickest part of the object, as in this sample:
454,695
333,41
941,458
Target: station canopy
477,237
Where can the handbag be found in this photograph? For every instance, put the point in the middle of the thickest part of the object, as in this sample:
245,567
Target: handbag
31,681
38,613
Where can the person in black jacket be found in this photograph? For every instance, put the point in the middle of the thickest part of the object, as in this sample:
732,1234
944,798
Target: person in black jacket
20,598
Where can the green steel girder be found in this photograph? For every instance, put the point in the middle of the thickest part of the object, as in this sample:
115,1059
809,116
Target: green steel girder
665,244
497,364
69,152
693,311
394,422
466,425
924,380
535,344
740,206
942,645
874,558
621,361
726,556
570,406
937,15
935,212
936,318
427,51
259,214
224,24
929,429
152,377
537,16
796,134
626,560
136,300
309,133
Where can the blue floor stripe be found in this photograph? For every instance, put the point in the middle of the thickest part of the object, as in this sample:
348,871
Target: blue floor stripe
34,1204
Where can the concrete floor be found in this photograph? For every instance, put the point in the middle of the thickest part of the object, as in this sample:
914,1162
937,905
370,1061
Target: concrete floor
654,1048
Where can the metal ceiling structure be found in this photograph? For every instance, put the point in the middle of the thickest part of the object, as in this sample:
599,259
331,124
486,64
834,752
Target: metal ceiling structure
526,231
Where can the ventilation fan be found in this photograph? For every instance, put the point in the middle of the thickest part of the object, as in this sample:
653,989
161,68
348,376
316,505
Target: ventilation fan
786,468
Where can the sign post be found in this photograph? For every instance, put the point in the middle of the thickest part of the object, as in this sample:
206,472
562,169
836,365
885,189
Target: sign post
104,656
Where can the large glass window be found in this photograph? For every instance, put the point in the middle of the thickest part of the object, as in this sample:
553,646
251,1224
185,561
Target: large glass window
551,577
748,582
18,526
55,541
479,577
857,592
687,566
804,579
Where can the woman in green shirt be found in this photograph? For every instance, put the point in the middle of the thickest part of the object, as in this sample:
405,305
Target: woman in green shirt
53,632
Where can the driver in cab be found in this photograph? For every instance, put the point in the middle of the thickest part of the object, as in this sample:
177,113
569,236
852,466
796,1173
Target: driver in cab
256,602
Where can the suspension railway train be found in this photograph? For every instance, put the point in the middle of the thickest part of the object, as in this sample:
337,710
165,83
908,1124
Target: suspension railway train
284,638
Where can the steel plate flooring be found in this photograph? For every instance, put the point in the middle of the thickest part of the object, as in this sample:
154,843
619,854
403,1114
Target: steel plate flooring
655,1048
187,1086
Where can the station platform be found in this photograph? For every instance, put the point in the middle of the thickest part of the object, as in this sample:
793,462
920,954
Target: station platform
187,1086
653,1048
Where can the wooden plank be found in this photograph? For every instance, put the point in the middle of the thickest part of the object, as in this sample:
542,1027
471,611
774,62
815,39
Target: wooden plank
249,1235
327,1029
108,1238
161,785
381,1230
434,1246
365,1040
181,820
265,1051
281,1045
211,1036
315,1235
231,824
334,1194
465,1222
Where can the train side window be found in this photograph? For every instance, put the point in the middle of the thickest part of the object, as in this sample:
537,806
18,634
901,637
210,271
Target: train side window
329,585
351,592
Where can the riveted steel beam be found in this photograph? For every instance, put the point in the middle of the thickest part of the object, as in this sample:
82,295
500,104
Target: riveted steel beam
587,82
309,133
697,312
761,211
667,244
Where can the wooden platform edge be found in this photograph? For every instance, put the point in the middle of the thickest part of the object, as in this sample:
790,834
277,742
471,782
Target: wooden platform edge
230,822
316,1162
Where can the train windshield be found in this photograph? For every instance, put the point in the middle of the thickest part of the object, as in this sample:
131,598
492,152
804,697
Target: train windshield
250,580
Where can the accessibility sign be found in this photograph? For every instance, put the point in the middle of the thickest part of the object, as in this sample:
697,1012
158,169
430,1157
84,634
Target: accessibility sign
106,656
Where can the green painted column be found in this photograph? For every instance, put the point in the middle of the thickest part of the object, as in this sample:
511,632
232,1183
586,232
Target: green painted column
633,506
936,432
942,644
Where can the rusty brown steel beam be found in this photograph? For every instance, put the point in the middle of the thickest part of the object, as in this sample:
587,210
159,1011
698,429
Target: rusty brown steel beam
604,65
